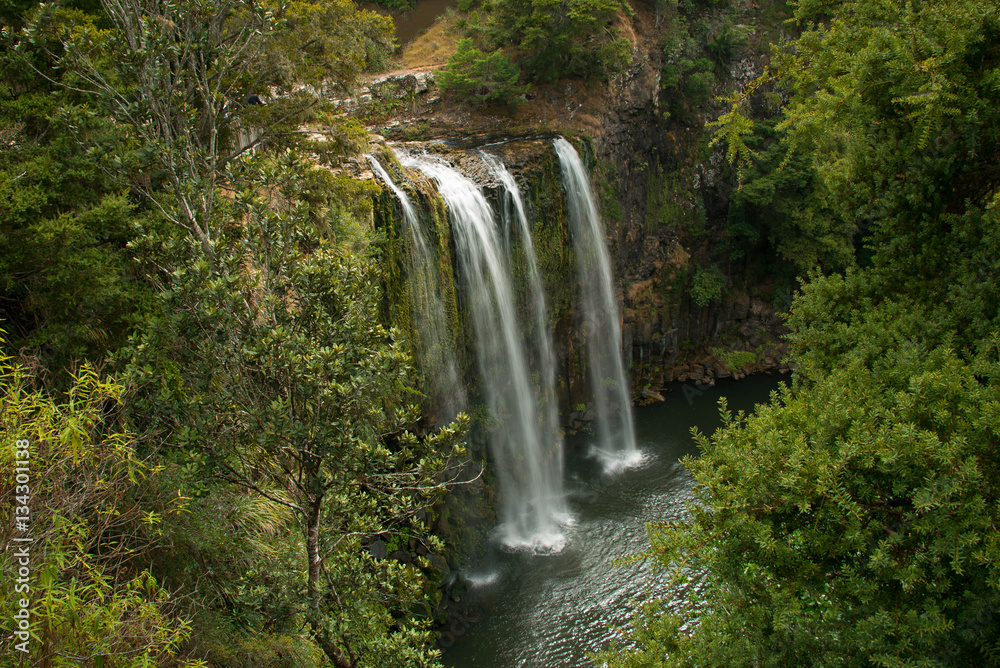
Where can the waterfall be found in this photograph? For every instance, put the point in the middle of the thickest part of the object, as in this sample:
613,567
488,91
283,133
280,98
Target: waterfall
434,350
528,461
513,211
599,319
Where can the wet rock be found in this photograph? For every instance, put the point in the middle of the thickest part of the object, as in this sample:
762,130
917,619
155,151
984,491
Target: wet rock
437,562
378,549
741,306
471,615
402,556
443,528
653,395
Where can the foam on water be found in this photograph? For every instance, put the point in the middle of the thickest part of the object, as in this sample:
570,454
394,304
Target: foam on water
616,461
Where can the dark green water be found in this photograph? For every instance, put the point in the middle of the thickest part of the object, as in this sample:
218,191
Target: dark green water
551,611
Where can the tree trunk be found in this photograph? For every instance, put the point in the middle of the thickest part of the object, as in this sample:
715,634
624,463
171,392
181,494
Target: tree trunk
320,633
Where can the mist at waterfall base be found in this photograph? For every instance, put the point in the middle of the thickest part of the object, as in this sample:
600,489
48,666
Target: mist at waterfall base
552,611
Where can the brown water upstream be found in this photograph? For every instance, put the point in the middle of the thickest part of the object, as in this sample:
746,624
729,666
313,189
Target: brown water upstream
412,23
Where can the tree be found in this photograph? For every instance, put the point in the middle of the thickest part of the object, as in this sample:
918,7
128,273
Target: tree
851,522
784,203
175,77
481,78
893,103
561,38
856,519
67,289
268,368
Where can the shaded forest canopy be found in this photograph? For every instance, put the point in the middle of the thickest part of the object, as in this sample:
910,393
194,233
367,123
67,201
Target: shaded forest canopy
220,422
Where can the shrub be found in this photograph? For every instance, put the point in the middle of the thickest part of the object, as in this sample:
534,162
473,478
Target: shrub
735,360
569,38
707,285
481,78
89,528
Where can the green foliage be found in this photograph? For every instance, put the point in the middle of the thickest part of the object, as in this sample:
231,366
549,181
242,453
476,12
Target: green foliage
88,594
67,290
397,5
564,38
724,40
239,650
607,191
785,206
178,138
328,41
672,202
241,553
854,520
734,126
707,285
850,523
481,79
260,380
699,44
269,368
895,101
735,360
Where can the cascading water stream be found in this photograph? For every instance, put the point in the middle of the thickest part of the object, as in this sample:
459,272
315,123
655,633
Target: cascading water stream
600,324
434,350
529,467
513,210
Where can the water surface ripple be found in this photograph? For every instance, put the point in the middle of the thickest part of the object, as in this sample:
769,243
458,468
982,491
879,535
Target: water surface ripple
551,611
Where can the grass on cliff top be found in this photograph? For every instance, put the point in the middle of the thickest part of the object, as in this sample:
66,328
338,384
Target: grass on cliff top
431,48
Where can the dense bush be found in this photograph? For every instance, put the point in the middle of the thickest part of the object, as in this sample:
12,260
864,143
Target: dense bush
481,78
707,285
88,589
558,39
855,521
699,44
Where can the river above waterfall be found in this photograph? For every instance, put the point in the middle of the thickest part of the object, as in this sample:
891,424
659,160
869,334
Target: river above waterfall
551,611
